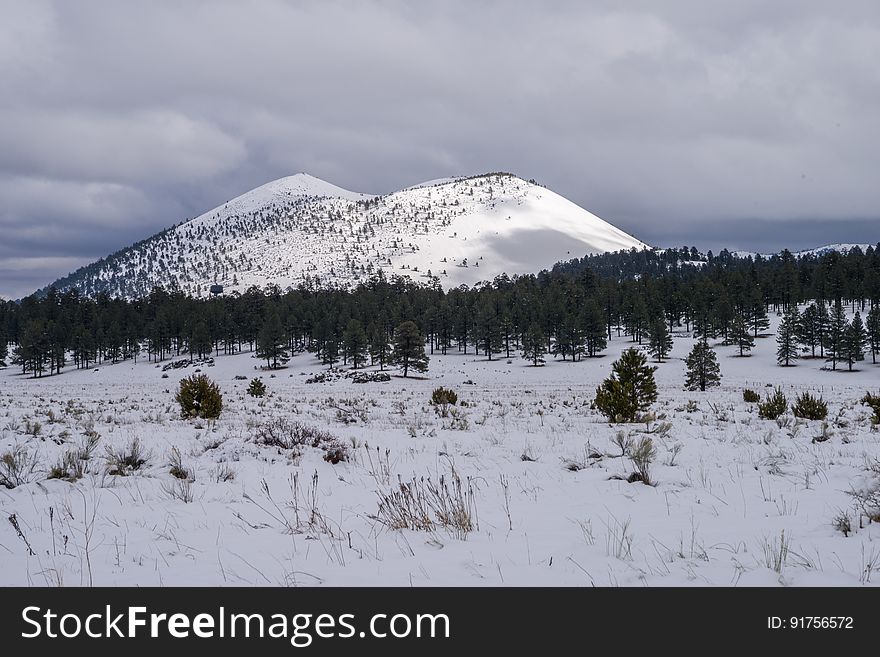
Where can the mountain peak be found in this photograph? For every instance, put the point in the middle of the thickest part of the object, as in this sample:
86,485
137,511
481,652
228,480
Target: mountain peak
305,184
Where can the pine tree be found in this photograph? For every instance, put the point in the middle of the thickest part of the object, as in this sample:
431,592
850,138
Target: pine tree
200,340
378,345
786,337
270,338
635,313
659,339
757,315
114,342
568,338
83,343
573,336
533,344
854,342
630,390
702,368
487,331
703,329
723,316
808,331
592,321
4,348
834,336
508,332
33,346
823,322
409,348
872,331
58,334
132,341
740,335
330,351
354,341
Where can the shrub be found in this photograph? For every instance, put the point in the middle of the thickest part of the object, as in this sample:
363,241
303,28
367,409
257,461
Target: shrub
256,388
178,469
336,454
642,455
123,462
200,397
223,473
442,398
424,504
17,467
842,523
179,489
70,467
774,406
874,402
443,395
809,407
750,396
630,390
867,499
284,434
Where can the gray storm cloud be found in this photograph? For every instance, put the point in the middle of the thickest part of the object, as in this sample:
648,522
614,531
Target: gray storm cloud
676,122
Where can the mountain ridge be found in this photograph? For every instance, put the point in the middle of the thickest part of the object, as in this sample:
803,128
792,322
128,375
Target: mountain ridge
300,229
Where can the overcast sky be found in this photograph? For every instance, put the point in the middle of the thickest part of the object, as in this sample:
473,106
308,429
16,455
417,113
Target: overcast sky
746,124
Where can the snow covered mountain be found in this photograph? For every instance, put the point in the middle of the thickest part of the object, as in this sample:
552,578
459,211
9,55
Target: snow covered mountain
300,228
818,251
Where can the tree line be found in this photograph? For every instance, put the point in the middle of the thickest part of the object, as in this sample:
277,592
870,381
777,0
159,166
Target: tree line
569,313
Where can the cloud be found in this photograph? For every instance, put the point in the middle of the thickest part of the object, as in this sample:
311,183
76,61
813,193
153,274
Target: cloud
670,120
141,147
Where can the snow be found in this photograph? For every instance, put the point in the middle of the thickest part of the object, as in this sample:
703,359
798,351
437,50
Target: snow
730,487
519,231
301,227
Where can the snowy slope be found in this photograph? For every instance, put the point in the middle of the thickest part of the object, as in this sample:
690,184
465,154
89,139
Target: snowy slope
275,194
460,230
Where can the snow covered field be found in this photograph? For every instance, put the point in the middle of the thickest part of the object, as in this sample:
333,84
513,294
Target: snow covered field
737,501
